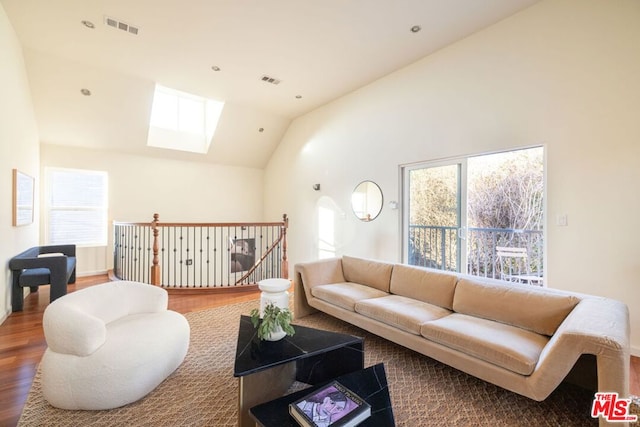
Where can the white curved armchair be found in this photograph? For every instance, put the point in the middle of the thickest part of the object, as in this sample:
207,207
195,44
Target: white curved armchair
110,345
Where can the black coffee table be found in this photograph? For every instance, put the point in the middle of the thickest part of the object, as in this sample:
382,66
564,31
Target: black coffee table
267,369
370,384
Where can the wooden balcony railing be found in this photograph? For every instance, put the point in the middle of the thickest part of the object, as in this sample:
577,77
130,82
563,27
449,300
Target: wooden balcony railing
200,255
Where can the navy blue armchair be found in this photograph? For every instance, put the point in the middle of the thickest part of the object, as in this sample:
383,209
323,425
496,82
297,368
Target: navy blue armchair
53,265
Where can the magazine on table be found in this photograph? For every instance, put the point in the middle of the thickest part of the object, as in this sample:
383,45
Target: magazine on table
332,405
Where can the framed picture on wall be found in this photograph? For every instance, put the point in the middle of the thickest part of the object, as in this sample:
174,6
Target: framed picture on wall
243,254
23,196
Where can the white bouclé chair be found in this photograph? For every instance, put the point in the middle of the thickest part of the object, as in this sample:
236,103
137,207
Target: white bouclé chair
110,345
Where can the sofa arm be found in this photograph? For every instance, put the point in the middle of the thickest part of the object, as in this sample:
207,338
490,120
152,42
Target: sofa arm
605,321
54,262
310,274
598,326
321,272
71,330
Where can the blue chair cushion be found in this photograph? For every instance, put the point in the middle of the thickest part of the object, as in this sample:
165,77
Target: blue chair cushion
35,277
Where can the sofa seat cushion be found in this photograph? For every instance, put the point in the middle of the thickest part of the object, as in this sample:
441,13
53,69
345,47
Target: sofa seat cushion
507,346
345,294
401,312
35,277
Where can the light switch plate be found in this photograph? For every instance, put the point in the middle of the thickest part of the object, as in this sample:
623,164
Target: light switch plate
562,220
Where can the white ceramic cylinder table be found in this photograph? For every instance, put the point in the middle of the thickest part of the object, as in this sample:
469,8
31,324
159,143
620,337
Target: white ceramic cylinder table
274,291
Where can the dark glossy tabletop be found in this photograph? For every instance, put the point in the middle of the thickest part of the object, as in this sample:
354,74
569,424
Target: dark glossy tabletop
370,384
253,355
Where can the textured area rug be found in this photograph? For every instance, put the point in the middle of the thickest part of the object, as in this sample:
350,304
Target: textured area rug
203,391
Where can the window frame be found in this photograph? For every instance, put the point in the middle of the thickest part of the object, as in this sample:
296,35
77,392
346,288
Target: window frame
462,161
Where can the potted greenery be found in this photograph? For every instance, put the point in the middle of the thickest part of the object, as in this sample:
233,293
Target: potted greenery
274,324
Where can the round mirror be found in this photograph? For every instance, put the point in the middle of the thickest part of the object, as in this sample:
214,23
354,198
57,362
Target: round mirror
366,201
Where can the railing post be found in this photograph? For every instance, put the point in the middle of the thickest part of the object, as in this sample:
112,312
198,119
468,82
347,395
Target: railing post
285,262
155,267
443,248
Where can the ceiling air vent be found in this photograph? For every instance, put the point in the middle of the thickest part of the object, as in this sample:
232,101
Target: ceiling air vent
271,80
112,22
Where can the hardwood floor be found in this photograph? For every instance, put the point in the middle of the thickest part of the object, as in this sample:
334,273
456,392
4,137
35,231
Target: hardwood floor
22,339
22,342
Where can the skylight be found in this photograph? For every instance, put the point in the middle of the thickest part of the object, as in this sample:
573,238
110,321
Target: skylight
182,121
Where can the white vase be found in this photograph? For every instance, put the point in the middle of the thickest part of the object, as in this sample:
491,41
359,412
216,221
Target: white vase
277,335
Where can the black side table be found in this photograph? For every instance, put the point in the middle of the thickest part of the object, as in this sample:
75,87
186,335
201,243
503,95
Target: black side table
370,384
267,369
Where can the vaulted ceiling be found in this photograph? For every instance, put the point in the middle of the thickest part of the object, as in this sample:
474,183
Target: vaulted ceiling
318,50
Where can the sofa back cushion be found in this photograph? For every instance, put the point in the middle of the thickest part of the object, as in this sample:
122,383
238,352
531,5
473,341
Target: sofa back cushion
376,274
530,308
424,285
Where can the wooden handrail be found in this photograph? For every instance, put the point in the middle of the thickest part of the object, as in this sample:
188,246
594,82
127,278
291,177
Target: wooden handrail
200,224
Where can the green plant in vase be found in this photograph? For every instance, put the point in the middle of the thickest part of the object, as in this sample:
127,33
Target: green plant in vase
274,324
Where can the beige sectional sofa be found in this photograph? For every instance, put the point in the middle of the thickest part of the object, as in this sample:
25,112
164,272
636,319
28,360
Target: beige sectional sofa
523,338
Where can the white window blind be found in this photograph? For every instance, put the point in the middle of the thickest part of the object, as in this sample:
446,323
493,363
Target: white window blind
77,202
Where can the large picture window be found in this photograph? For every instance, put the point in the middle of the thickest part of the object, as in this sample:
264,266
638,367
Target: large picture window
481,215
76,207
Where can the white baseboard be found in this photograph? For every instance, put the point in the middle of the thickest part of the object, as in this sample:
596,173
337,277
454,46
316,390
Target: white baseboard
91,273
4,317
635,351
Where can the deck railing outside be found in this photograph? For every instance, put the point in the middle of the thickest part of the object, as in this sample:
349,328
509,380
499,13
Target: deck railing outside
438,247
200,255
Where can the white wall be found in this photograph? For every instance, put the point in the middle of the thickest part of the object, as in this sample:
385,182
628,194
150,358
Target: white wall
179,191
563,73
19,149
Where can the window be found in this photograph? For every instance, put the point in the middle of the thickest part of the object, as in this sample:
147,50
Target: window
465,214
182,121
76,207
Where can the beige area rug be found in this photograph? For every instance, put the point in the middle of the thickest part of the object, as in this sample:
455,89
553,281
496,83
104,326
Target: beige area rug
203,391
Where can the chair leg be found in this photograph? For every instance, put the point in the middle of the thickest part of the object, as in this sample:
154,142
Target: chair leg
17,294
57,290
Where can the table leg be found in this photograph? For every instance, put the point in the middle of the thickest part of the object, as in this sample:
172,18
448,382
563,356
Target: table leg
262,387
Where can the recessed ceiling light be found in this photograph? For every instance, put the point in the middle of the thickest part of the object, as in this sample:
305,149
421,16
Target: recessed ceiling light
416,28
215,68
88,24
261,130
298,96
85,92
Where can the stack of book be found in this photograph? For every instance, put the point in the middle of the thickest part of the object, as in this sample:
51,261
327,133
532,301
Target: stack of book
332,405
